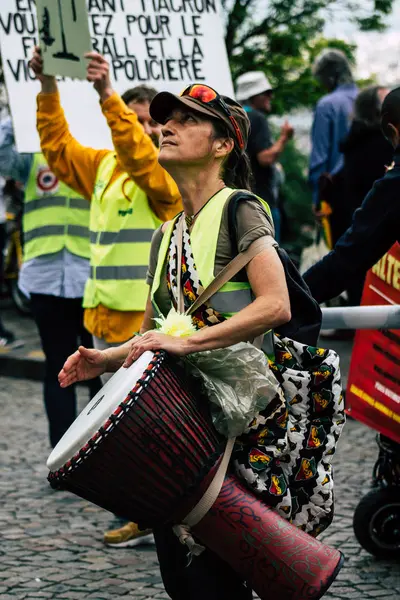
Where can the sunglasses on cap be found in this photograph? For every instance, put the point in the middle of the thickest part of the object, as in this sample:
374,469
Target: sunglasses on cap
207,95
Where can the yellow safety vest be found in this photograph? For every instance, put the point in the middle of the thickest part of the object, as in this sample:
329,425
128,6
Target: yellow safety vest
55,217
121,227
234,295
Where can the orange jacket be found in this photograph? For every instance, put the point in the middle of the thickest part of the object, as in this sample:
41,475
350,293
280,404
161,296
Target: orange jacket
77,165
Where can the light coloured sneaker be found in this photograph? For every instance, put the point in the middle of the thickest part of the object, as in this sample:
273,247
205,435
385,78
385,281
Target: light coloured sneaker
128,536
9,342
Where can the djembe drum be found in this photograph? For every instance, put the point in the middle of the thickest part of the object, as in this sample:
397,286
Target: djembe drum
145,449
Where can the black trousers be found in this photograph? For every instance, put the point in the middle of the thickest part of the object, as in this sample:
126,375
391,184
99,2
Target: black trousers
207,577
3,236
60,324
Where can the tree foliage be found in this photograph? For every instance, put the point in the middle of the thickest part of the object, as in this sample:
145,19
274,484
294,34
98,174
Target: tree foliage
283,37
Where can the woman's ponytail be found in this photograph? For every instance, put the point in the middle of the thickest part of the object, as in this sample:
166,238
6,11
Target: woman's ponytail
236,170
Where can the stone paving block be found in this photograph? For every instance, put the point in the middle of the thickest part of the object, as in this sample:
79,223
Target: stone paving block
34,584
70,596
102,596
151,592
58,577
378,593
13,581
113,581
18,593
100,566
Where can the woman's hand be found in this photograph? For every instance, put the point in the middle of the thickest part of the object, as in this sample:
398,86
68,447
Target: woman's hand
83,364
98,73
152,340
49,84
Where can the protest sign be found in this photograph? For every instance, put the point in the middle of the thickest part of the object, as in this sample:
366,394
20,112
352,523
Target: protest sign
373,389
163,43
64,35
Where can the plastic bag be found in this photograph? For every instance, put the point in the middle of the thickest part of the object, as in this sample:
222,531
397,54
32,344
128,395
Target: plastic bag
238,383
312,254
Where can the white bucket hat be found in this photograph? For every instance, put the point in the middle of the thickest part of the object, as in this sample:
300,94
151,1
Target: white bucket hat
250,84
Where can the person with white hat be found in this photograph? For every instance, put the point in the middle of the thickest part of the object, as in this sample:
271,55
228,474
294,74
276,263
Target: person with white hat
254,92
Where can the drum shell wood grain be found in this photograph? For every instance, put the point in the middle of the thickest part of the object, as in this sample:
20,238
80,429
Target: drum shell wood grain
276,558
155,455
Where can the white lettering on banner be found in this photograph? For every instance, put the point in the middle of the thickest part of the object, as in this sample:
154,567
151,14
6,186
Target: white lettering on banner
164,43
389,393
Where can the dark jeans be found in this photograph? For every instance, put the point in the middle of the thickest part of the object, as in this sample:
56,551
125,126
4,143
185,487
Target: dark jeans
208,577
60,324
3,330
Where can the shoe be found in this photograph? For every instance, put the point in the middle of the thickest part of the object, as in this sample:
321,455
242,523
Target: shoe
7,340
128,536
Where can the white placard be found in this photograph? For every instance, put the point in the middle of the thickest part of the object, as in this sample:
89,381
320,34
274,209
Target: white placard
164,43
64,36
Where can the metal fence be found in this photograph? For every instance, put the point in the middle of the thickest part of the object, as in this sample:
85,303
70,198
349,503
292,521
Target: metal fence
361,317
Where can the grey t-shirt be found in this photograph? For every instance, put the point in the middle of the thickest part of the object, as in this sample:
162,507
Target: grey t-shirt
252,224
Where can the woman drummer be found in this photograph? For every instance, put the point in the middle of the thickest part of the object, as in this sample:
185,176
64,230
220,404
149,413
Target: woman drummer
202,145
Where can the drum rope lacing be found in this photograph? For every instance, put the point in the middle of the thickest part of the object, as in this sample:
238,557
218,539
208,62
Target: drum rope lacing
183,531
111,422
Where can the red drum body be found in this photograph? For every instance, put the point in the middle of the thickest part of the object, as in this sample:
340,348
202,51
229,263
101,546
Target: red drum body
151,458
279,560
149,454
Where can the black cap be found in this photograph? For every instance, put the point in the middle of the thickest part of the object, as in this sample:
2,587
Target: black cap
165,103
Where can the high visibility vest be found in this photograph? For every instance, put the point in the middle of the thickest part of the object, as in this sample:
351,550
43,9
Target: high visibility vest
121,227
55,217
234,295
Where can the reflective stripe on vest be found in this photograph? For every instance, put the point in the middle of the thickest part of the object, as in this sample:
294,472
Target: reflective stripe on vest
49,201
233,296
50,230
125,236
121,227
55,217
231,301
268,344
118,273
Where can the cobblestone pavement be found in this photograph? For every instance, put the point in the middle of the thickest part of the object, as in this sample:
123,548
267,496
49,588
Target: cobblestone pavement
51,544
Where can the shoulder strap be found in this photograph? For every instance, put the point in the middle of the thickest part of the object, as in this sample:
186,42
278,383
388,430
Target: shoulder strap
179,250
233,203
231,269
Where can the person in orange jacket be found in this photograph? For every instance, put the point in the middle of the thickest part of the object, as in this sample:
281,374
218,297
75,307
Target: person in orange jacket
130,195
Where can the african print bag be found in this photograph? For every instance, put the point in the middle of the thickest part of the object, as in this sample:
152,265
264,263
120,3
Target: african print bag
285,453
286,458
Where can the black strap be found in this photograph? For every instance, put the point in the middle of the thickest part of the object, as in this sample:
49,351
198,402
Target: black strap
234,201
305,323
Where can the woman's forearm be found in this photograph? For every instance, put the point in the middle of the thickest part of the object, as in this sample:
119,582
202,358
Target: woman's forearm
116,356
148,318
257,318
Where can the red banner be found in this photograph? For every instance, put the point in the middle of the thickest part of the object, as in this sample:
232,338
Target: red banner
373,389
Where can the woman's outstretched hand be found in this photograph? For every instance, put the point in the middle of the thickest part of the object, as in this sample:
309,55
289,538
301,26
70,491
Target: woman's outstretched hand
152,340
85,363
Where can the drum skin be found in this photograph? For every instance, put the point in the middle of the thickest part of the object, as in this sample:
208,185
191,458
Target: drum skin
279,560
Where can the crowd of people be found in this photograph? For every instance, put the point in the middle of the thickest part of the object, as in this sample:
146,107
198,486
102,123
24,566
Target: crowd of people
95,239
